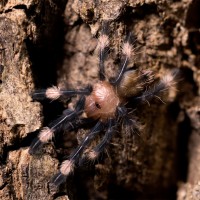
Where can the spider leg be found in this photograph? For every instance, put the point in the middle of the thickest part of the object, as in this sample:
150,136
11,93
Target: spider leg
129,123
134,77
67,166
55,93
165,83
127,50
102,47
57,125
93,154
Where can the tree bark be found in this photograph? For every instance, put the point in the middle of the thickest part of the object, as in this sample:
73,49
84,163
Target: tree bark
44,43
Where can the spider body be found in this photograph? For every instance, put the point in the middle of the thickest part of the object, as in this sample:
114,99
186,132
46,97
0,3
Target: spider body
105,103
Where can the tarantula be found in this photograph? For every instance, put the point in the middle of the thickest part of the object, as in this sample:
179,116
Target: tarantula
107,103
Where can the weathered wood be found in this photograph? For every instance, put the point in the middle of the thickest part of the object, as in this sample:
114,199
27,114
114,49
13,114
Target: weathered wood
52,42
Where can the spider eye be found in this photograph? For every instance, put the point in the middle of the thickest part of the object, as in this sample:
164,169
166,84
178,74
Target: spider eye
97,105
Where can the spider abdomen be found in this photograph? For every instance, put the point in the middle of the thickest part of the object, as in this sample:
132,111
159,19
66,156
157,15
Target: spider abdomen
102,102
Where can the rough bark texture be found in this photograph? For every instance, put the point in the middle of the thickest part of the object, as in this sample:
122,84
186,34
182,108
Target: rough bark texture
52,42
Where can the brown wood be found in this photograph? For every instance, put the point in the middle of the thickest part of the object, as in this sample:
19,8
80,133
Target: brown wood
44,43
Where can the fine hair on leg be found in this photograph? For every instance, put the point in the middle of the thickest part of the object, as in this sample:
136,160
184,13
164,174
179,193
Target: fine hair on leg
54,93
102,48
67,166
56,126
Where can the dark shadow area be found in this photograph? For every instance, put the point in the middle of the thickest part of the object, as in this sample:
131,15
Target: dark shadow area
120,193
18,143
194,41
138,13
46,47
188,89
184,132
46,51
79,185
193,15
187,85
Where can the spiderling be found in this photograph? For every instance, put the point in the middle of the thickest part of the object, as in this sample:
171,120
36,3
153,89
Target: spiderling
106,103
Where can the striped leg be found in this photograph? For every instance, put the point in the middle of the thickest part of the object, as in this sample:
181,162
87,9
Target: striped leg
166,82
67,167
68,117
102,47
55,93
94,154
127,51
